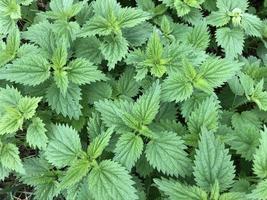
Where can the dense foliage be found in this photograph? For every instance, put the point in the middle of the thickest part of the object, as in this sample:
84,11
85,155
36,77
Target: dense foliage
127,100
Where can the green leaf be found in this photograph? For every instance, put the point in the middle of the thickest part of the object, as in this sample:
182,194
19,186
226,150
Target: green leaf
74,174
36,136
213,163
9,157
88,48
97,25
109,180
82,71
233,196
7,24
181,8
247,118
11,121
114,49
130,17
175,190
138,35
13,42
147,106
244,140
128,149
154,56
84,193
226,5
127,85
176,88
67,105
259,96
199,36
216,71
99,91
42,34
64,146
95,126
166,153
61,81
99,143
247,83
260,156
28,105
251,24
9,97
37,171
111,113
231,40
260,192
11,9
29,70
60,56
63,9
4,172
205,115
66,30
218,18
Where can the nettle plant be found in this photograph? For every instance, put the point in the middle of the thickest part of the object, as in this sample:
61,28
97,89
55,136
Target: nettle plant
125,100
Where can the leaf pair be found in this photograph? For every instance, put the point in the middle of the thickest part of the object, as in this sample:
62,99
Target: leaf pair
64,149
109,20
211,74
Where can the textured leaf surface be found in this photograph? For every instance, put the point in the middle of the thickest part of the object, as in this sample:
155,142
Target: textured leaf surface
166,153
31,70
109,180
175,190
10,158
231,40
64,146
36,136
67,105
128,149
213,163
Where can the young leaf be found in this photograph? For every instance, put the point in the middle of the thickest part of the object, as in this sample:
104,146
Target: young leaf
11,121
61,81
128,149
147,106
99,143
28,105
9,97
10,159
36,136
75,173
